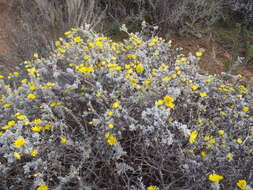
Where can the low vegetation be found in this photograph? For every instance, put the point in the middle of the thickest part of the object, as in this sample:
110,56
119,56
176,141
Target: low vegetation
135,114
40,22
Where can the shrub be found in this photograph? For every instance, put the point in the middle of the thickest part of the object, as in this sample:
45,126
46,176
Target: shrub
187,16
40,22
183,16
241,11
99,114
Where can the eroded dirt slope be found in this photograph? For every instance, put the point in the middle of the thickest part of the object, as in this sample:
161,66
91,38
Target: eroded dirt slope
8,60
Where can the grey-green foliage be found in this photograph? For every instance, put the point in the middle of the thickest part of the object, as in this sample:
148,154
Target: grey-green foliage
90,73
243,9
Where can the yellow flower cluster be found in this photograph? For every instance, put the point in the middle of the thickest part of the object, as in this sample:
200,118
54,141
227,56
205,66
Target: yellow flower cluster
42,187
242,184
84,69
39,128
193,135
168,101
116,104
114,67
19,142
153,41
31,96
152,187
215,177
111,140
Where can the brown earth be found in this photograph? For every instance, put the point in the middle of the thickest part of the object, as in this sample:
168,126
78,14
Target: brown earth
7,51
215,56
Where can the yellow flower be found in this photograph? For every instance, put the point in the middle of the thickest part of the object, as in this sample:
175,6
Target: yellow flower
209,80
139,68
1,76
207,138
67,33
110,126
107,135
37,128
91,44
114,58
209,146
215,177
127,66
99,44
77,39
116,104
32,87
203,154
183,59
63,139
229,156
203,94
16,74
191,151
1,133
168,101
5,127
195,87
35,55
193,135
57,43
11,123
112,140
221,132
31,96
166,78
60,50
48,126
32,71
152,187
42,187
24,81
34,153
170,105
98,94
17,155
7,105
177,68
198,54
85,69
20,117
86,57
213,141
239,141
245,108
173,76
147,82
163,67
242,184
50,84
159,102
179,73
110,113
19,142
53,104
26,63
37,121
